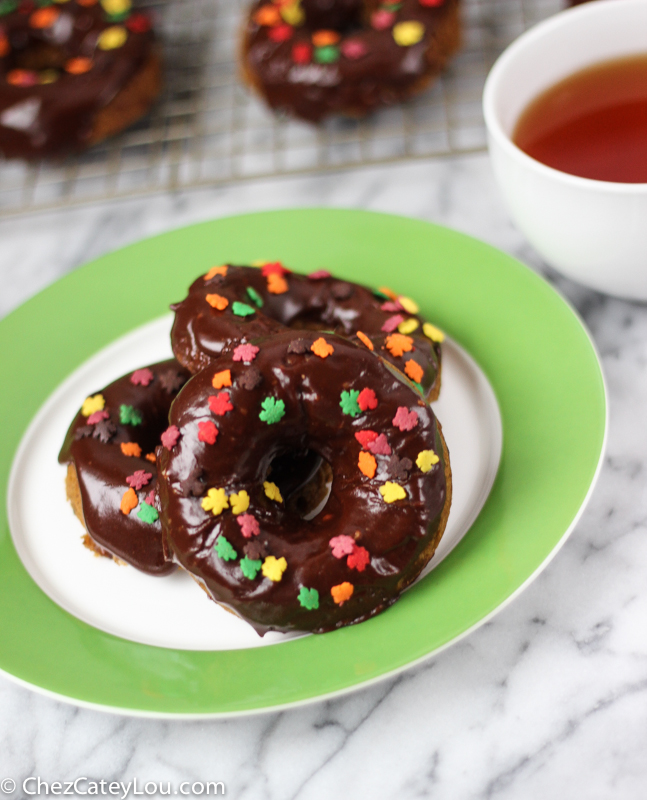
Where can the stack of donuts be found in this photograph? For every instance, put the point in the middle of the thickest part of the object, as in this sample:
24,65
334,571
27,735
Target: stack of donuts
287,458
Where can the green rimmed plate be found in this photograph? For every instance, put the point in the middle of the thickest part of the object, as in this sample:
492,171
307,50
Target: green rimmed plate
532,347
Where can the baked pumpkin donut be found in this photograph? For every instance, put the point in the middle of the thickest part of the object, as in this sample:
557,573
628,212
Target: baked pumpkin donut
230,305
72,73
227,513
112,473
311,58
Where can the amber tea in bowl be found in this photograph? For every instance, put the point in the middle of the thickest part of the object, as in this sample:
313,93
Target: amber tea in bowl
566,113
593,123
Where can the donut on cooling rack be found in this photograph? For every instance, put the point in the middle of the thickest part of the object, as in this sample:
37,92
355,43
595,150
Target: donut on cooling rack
72,73
314,58
112,473
229,305
250,436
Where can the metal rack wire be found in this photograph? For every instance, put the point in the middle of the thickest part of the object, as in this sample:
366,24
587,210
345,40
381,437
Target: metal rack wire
207,128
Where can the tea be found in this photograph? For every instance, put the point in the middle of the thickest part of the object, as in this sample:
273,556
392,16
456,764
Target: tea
592,124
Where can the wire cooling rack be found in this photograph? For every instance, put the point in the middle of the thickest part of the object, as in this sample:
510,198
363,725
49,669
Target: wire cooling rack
208,128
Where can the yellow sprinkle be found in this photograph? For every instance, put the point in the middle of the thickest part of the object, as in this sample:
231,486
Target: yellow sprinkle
115,6
112,38
408,325
433,333
259,263
426,459
239,502
92,404
272,491
49,75
293,14
392,491
409,305
408,33
273,568
216,501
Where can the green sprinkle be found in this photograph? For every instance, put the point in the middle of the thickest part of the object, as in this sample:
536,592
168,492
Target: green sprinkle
326,55
117,17
255,297
419,388
224,549
242,309
273,410
349,404
43,3
250,568
380,295
393,7
129,416
309,598
7,7
148,514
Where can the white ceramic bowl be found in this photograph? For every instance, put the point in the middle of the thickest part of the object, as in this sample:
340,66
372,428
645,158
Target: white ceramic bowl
593,231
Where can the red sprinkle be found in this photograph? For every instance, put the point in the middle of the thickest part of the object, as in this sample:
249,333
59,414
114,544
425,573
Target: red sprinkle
280,33
245,352
319,275
138,23
353,49
365,437
382,19
170,436
220,404
207,432
302,53
431,3
392,323
359,558
248,525
274,268
97,417
404,419
367,399
139,479
342,545
392,306
379,447
141,377
150,498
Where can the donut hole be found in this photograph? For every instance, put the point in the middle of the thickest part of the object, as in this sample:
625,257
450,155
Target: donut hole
305,480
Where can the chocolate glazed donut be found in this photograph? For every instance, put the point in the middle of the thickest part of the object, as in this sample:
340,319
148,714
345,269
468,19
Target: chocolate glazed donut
112,474
232,304
72,73
228,515
312,58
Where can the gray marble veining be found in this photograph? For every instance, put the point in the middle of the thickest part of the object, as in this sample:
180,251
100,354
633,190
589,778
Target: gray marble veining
547,700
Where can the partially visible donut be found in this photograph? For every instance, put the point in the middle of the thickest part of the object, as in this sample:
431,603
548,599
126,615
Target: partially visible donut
226,511
72,73
312,58
112,472
229,305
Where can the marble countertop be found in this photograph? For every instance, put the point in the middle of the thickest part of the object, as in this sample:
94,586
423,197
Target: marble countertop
547,700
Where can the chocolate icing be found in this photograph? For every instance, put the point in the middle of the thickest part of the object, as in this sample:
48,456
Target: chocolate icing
51,119
102,468
201,333
322,84
400,537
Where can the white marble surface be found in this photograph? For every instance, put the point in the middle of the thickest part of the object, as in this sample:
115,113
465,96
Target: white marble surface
548,700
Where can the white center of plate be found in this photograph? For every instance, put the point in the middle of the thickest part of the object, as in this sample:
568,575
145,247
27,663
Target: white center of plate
174,611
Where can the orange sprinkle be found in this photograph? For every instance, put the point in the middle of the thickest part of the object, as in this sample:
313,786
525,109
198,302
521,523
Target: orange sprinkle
129,501
151,457
321,348
388,292
217,301
267,15
397,344
44,17
276,284
367,464
414,370
221,379
77,66
364,339
324,38
215,271
342,592
131,449
5,47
